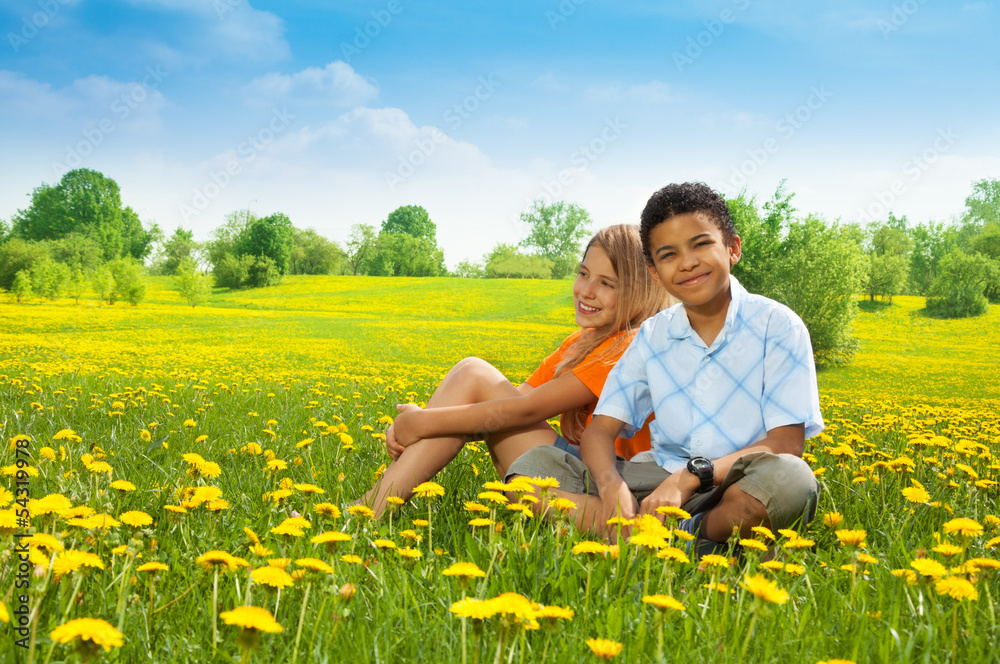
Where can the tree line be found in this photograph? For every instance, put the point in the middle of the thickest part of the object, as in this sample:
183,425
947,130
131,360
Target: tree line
77,237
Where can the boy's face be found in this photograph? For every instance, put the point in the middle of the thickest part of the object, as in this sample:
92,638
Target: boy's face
691,260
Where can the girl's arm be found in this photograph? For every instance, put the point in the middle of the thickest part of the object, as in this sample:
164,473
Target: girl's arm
533,406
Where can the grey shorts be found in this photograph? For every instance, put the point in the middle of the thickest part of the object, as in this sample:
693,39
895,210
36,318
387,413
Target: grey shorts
566,446
783,483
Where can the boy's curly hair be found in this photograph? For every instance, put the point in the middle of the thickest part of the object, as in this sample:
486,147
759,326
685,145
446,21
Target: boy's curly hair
675,199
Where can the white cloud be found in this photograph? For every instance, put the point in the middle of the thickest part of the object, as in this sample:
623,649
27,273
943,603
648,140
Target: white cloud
230,28
87,101
654,92
336,84
547,82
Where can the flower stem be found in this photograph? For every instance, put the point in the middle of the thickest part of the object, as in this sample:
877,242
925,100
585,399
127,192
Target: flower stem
302,617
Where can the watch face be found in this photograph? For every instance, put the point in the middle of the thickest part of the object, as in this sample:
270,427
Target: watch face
700,464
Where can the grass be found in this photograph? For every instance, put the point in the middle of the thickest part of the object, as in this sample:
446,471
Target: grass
328,359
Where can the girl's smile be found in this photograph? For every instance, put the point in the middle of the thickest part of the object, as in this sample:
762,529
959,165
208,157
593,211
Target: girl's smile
595,290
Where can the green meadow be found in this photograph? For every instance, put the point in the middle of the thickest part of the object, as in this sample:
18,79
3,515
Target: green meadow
892,569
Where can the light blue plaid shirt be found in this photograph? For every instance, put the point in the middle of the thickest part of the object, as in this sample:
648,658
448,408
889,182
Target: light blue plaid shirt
758,374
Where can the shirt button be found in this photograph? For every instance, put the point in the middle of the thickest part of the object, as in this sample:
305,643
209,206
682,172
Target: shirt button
701,402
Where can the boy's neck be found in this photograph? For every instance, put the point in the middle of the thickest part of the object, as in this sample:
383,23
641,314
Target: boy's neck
708,319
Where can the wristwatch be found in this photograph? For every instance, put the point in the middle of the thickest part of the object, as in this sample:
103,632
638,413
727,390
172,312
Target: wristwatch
703,469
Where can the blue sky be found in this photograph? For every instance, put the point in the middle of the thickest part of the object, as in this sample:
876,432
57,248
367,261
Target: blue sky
336,113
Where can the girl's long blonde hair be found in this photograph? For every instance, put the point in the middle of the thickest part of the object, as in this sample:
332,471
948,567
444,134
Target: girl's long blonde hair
639,297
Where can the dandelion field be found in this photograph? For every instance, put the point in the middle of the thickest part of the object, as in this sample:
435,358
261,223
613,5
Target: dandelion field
184,464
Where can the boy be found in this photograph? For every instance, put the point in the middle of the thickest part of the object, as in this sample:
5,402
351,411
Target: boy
730,377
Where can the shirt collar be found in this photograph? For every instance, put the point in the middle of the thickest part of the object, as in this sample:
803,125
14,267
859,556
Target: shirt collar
680,326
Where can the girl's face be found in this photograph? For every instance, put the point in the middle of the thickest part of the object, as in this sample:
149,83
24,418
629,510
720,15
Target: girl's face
595,291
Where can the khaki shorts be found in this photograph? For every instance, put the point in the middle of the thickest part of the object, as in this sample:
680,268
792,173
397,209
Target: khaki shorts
783,483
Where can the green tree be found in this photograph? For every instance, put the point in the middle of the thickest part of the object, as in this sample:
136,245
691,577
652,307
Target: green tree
180,247
982,206
402,255
314,254
270,236
88,203
557,233
761,237
957,291
129,280
16,255
49,279
194,286
21,287
225,237
469,270
103,283
77,284
361,248
76,250
411,220
888,259
929,242
823,268
506,262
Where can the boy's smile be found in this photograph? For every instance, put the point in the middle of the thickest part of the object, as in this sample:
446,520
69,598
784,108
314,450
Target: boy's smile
691,260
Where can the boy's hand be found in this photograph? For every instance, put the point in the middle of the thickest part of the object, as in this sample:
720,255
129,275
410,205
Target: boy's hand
617,501
673,492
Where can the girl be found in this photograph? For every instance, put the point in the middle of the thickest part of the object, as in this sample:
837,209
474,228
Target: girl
613,293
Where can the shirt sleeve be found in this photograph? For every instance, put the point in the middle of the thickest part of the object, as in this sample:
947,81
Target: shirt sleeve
546,371
626,395
791,394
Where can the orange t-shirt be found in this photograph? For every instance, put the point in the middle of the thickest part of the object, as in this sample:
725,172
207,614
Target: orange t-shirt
593,371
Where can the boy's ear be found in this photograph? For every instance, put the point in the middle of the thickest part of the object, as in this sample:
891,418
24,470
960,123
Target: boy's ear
735,250
655,275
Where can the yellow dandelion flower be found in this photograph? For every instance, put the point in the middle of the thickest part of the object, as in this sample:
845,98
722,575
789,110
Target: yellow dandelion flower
217,560
123,485
664,602
545,482
948,549
475,507
328,510
176,509
673,553
908,574
70,561
273,577
773,565
604,648
44,541
929,568
832,519
764,588
287,529
753,544
315,565
553,613
410,534
464,570
407,552
308,488
253,618
190,423
563,505
420,523
916,494
671,511
590,548
383,544
963,527
648,539
152,567
494,497
67,434
352,559
135,518
331,538
714,560
97,632
481,522
851,538
476,609
957,588
361,510
865,558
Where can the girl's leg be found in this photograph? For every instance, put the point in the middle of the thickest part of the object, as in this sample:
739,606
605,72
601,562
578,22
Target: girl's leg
470,381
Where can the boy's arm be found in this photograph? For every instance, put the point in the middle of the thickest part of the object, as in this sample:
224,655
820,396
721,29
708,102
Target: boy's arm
680,486
597,451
